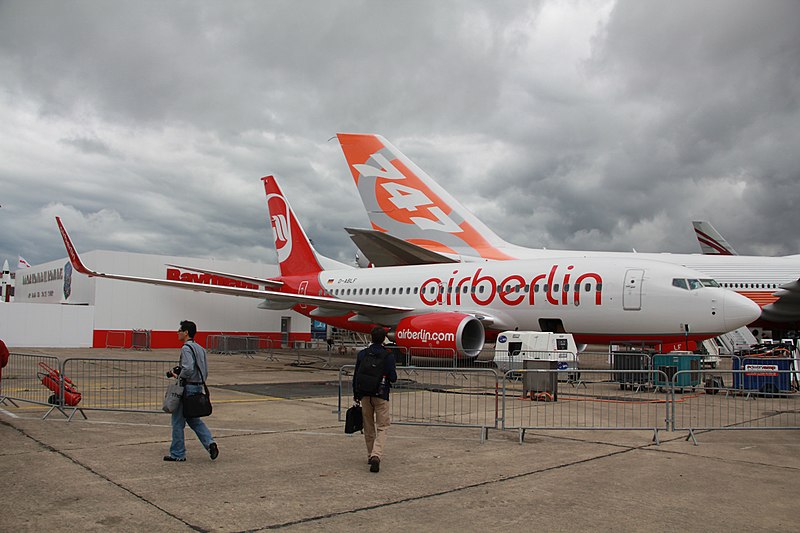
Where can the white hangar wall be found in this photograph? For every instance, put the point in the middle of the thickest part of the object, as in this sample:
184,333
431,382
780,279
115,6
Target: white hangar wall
124,306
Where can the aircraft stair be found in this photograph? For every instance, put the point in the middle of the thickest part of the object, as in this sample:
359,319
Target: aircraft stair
730,342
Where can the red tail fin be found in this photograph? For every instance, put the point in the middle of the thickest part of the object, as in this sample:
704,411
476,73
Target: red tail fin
296,256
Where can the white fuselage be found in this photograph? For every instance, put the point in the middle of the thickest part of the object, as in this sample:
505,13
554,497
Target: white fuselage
616,298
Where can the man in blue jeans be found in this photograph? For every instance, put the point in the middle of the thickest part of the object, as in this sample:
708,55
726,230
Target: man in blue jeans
192,376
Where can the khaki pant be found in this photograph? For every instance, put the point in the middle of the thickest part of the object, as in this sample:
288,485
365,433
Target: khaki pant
376,417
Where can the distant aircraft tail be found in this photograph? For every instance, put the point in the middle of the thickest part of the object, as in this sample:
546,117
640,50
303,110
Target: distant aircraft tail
404,201
711,242
296,255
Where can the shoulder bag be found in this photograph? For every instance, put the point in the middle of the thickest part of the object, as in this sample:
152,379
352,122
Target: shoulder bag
199,404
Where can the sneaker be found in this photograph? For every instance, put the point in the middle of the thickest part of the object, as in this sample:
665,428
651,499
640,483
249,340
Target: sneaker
175,459
374,464
213,450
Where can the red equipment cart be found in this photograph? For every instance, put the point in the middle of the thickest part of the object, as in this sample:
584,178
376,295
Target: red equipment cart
52,379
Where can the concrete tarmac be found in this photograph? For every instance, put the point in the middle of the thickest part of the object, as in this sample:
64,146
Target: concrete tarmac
285,463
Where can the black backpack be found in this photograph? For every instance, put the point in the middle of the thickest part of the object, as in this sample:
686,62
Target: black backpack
370,373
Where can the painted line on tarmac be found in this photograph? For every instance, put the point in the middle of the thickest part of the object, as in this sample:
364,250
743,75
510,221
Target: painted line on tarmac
9,413
336,430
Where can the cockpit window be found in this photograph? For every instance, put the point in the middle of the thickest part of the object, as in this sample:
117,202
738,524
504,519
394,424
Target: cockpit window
709,283
694,284
680,283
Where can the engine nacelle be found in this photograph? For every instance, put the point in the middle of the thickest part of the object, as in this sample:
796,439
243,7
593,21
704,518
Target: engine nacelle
445,331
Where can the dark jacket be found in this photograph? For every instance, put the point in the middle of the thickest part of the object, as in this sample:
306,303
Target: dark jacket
389,372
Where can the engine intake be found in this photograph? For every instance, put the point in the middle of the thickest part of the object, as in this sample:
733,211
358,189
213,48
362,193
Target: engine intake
441,333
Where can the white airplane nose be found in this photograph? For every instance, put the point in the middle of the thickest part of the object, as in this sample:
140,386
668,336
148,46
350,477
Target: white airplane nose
739,310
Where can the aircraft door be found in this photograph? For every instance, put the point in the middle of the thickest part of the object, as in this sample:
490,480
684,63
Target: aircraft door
286,330
632,295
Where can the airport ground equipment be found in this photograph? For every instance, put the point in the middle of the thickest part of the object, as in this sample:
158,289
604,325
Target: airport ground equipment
541,386
668,365
766,374
513,348
630,365
54,380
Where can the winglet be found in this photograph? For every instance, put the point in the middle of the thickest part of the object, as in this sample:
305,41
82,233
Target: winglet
74,258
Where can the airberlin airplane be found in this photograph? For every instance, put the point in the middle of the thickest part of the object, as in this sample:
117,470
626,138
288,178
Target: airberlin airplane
416,221
458,306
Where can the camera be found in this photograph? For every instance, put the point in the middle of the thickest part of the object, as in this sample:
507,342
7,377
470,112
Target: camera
176,371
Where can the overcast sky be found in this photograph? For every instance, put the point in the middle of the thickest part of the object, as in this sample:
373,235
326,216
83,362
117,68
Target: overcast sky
596,125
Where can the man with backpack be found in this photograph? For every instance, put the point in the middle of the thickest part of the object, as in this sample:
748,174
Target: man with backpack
375,372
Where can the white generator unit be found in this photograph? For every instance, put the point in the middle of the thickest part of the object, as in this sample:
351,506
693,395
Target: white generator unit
514,347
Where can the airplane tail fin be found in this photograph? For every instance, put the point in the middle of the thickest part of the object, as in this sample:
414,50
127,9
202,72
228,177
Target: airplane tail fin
711,242
404,201
296,255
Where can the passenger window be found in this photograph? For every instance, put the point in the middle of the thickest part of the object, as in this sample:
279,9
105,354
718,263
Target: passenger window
680,283
415,290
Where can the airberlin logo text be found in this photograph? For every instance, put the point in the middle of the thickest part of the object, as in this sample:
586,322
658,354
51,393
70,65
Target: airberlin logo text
424,335
207,279
557,287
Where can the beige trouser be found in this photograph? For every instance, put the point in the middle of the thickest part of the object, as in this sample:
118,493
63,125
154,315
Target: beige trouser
376,413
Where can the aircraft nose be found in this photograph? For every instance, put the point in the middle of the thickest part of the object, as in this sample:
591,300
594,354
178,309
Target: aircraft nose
739,310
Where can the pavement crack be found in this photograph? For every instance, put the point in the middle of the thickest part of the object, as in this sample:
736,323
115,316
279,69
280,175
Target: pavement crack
443,492
89,469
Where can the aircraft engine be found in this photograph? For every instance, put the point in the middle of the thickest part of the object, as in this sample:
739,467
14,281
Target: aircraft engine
438,333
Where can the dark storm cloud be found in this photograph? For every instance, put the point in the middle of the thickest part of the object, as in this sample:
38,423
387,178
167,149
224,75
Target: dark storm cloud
600,125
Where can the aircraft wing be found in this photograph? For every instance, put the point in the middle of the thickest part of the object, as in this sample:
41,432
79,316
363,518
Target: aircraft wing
787,307
323,302
383,249
238,277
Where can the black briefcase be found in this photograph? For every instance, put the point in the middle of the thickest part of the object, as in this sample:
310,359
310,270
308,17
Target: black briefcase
354,419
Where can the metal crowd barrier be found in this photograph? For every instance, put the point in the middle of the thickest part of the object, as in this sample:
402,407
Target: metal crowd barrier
467,397
135,385
20,381
237,344
734,399
597,399
78,384
140,339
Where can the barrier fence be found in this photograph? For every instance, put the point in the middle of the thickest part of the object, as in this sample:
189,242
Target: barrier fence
135,385
759,395
465,397
78,384
237,344
20,381
592,399
752,398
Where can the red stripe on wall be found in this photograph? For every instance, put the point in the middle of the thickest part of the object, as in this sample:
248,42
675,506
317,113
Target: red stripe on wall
123,338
